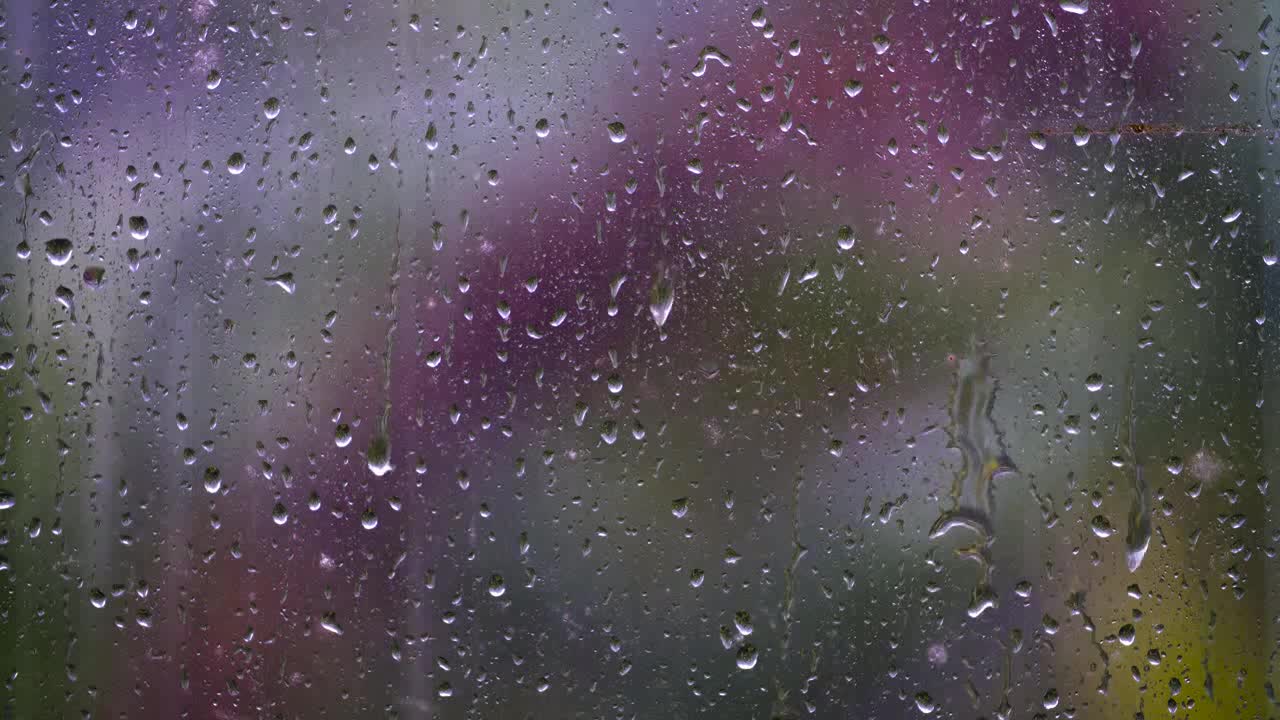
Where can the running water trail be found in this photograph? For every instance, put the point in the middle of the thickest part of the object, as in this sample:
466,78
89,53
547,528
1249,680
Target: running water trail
1138,536
378,456
984,457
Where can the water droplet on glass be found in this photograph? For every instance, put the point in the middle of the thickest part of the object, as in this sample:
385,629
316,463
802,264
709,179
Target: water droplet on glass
679,507
844,238
342,435
378,456
95,276
661,297
58,251
212,480
138,227
747,657
1101,526
284,281
496,586
330,623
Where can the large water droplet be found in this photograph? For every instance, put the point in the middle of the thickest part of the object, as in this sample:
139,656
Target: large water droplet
139,228
58,251
662,297
212,480
378,455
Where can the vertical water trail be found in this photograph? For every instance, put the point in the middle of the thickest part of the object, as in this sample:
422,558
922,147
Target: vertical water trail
984,457
379,453
1138,536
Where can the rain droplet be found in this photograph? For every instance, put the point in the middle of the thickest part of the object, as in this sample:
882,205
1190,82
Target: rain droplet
617,132
342,435
497,588
378,455
1101,526
330,622
661,297
236,163
58,251
844,238
680,507
212,480
284,281
747,656
710,52
95,276
138,227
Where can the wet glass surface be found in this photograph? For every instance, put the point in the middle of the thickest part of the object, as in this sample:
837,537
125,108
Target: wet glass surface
612,360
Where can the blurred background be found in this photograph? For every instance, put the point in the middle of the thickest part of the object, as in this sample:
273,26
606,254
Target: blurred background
612,359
